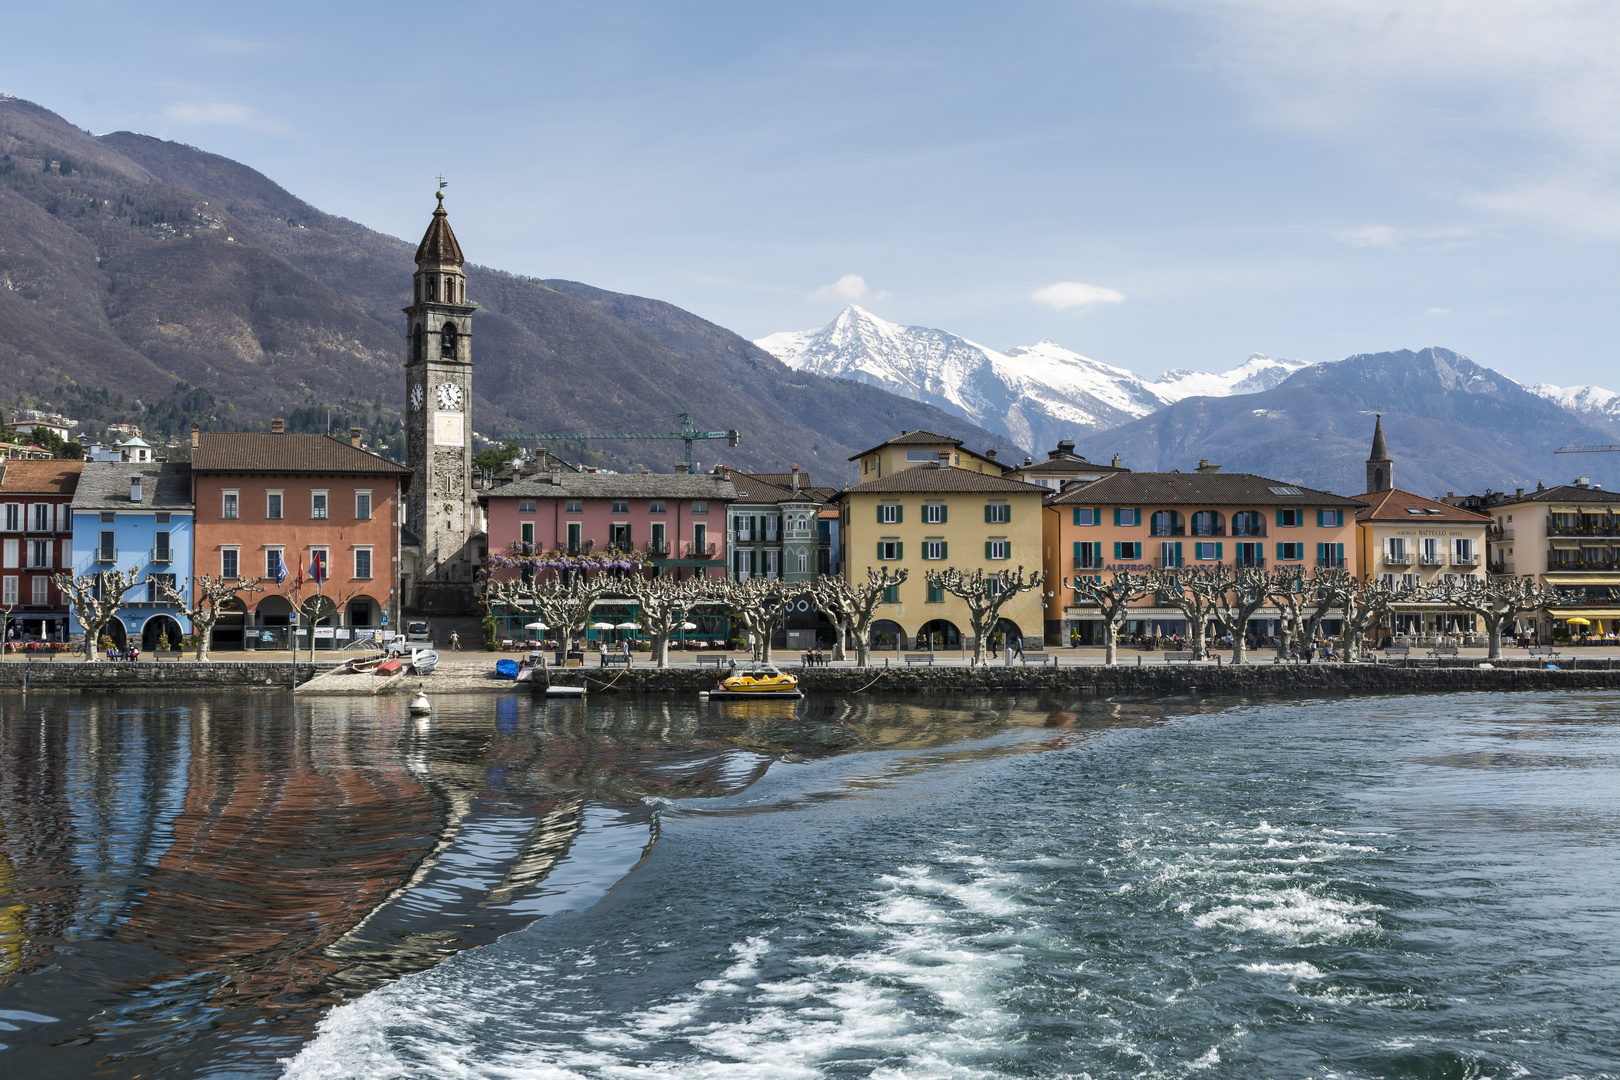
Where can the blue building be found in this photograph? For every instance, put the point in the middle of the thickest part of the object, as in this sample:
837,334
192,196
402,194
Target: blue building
136,514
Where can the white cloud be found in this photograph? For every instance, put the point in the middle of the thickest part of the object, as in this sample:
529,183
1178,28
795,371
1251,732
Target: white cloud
1062,295
1364,236
849,288
225,114
1506,105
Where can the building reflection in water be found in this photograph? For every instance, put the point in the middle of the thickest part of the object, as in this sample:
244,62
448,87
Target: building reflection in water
187,884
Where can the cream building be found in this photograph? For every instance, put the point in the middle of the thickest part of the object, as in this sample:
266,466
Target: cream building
912,448
934,517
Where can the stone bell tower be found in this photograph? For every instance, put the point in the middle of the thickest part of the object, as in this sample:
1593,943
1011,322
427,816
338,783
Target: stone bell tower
1380,469
438,422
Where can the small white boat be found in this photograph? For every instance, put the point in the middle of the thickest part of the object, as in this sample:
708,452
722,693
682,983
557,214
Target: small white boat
424,661
565,691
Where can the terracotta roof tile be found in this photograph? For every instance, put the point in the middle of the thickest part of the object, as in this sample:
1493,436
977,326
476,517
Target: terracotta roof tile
23,476
1193,488
255,452
1394,504
912,438
927,479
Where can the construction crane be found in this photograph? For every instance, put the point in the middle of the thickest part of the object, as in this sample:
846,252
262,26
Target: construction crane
1610,448
688,434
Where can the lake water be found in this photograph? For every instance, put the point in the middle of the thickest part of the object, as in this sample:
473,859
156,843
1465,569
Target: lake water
1418,886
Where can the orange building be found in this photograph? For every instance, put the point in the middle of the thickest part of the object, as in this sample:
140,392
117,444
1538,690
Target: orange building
1151,521
267,500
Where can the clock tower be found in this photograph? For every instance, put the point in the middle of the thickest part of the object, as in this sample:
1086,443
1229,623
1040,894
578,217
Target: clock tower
438,422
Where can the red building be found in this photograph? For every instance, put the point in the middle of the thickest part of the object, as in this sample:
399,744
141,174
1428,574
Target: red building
36,541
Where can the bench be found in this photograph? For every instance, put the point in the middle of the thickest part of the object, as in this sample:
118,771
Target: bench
1039,658
615,660
1170,656
1443,650
713,661
1543,650
1398,650
919,658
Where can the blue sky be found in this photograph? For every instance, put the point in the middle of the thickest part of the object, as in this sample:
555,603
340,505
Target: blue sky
1155,184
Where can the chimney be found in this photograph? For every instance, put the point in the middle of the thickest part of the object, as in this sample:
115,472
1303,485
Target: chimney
1205,467
556,475
1519,493
354,437
682,467
135,489
196,433
795,485
1116,461
725,474
1028,460
1583,481
278,426
991,454
1065,449
944,460
1453,494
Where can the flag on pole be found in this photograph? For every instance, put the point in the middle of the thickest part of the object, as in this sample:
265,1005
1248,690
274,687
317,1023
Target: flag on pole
281,569
317,567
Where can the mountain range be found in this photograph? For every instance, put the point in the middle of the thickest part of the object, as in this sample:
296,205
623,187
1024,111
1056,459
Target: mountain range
150,282
1033,395
1462,426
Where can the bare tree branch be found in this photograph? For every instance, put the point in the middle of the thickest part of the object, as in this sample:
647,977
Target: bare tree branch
665,604
210,594
96,598
854,607
758,603
1113,599
1495,600
985,596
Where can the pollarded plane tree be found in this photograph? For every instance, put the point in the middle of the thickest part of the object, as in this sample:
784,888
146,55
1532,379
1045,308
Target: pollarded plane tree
1247,591
96,598
1192,591
564,604
854,607
209,596
1496,601
985,596
666,603
1303,602
758,604
1113,598
1363,605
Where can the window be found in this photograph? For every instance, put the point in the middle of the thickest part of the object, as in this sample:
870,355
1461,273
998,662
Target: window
997,549
1290,552
657,545
319,563
1128,550
317,505
42,591
447,338
526,506
1250,556
526,533
227,562
1087,515
620,507
1330,556
1088,555
1208,523
889,550
154,593
1127,518
934,549
272,506
574,506
1170,554
745,529
107,551
362,506
1248,523
573,537
1290,517
1207,551
8,592
771,529
997,513
1165,523
656,506
700,507
42,517
803,558
362,562
227,505
416,342
39,554
771,557
14,514
160,547
936,595
922,455
107,519
1329,519
992,587
934,513
888,513
891,595
161,519
272,563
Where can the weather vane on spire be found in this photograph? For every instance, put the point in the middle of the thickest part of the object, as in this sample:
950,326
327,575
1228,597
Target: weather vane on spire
443,183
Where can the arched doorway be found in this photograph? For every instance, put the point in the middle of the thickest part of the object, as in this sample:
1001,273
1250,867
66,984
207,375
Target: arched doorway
362,611
939,634
230,629
160,626
317,616
887,634
114,631
271,622
1008,631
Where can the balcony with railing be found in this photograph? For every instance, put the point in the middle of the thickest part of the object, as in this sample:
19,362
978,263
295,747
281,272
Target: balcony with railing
1171,563
700,551
1331,562
658,549
1397,558
1082,562
106,554
1459,559
1590,526
1431,558
163,554
1250,562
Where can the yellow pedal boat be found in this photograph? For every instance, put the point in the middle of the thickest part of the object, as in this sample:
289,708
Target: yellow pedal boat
760,680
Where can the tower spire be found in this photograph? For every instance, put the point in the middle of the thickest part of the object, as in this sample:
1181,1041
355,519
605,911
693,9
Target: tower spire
1380,468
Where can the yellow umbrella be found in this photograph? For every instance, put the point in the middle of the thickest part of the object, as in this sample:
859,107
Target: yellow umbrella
1579,622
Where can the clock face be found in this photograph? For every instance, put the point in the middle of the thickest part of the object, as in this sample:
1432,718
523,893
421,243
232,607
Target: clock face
417,397
449,396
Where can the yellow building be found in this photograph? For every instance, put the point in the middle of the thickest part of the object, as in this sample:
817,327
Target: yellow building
910,449
933,518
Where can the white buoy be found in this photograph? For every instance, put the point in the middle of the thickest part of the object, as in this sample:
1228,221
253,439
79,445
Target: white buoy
421,703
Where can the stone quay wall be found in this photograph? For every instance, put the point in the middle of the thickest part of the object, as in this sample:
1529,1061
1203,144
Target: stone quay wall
110,677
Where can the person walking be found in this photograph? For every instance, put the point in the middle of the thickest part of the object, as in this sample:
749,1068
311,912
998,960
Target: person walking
1016,644
455,641
625,644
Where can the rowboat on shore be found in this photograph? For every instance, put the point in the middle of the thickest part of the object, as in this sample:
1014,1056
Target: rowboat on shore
423,661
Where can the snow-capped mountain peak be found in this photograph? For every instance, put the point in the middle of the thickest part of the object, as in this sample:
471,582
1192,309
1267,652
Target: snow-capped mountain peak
1033,394
1581,399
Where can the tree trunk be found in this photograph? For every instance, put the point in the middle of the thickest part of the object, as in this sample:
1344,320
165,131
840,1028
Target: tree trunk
660,649
840,632
205,638
1110,642
863,648
1493,627
980,639
1197,625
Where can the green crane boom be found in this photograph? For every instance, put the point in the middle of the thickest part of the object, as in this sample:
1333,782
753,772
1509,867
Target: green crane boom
688,434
